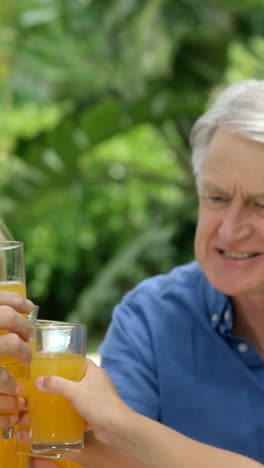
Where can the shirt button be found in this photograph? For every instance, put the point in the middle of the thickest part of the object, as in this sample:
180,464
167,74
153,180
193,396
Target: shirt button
227,315
214,317
242,347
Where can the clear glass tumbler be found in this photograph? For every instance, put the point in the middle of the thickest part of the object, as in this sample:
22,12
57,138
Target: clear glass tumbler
60,349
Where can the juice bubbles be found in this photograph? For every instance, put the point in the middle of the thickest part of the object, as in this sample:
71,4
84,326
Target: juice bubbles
52,417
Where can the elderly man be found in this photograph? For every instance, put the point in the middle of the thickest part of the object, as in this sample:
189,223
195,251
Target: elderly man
187,348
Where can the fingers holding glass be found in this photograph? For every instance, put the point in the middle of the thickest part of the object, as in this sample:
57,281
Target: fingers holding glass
15,300
17,349
10,402
60,350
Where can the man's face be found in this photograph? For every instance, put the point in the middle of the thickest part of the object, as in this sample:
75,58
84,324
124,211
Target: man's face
229,243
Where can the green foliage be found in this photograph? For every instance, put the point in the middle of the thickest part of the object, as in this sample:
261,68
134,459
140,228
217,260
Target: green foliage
98,99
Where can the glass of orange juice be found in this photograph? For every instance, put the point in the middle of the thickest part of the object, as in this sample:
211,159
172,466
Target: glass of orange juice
12,267
12,278
24,447
60,349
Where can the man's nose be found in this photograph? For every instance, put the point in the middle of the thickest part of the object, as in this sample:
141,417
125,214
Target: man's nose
235,224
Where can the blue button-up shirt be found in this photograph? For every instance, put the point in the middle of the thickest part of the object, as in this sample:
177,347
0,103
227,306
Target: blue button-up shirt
171,352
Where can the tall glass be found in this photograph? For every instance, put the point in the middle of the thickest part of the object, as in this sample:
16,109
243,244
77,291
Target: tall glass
60,350
12,267
24,447
12,279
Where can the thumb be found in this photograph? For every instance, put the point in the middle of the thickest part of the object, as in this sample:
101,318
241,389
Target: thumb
56,384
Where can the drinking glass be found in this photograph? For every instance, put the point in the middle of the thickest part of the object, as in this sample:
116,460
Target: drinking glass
12,279
60,349
24,447
12,267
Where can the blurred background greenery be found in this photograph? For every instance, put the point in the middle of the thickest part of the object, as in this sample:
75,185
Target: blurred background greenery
97,101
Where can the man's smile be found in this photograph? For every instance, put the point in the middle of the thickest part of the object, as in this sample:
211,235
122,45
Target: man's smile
238,255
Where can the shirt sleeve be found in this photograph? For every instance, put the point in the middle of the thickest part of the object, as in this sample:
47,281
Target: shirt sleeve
128,355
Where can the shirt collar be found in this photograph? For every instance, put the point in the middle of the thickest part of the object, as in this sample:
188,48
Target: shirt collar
220,309
221,313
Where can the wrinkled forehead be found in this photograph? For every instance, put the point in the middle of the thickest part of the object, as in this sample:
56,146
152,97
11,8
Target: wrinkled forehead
234,161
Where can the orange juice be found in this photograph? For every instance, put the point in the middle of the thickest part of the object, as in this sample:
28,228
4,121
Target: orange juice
52,417
9,362
21,446
13,286
19,371
24,447
8,456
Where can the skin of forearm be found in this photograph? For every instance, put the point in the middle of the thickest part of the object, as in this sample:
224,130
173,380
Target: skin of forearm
156,445
100,455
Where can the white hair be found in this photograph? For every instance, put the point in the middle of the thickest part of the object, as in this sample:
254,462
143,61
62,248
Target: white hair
239,108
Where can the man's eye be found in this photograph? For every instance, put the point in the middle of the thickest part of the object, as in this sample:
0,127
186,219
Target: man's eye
214,200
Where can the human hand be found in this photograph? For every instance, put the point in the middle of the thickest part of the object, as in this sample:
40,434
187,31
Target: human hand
94,397
12,343
12,306
10,401
95,455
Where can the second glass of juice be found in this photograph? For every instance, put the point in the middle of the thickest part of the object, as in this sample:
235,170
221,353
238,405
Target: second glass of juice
60,350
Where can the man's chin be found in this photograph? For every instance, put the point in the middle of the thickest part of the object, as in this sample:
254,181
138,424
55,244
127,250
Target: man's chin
225,286
231,283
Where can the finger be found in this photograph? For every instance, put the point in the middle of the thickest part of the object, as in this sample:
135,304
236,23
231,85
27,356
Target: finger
23,420
8,384
8,420
55,384
23,435
10,403
12,344
64,387
12,320
16,301
19,388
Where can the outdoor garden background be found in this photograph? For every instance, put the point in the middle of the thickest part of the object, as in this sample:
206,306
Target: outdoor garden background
97,101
